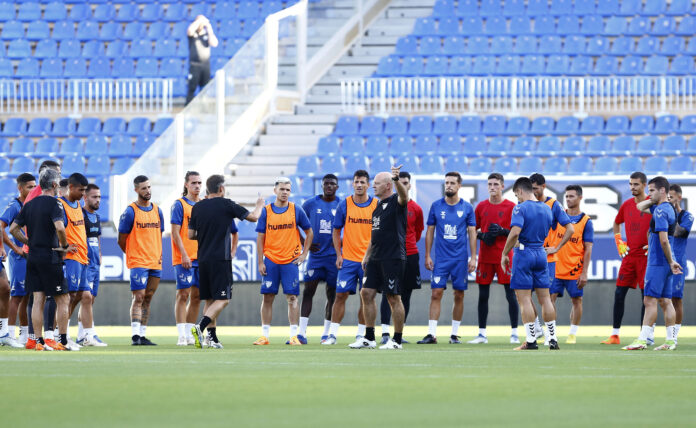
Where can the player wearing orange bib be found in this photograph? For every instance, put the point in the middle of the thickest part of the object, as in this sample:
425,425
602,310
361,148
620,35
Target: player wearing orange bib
573,260
280,253
140,237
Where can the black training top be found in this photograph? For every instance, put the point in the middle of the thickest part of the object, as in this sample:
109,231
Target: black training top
199,47
389,230
211,219
38,215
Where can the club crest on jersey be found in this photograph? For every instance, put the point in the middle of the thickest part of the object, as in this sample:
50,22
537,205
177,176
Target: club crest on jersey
384,205
460,213
333,211
436,279
143,280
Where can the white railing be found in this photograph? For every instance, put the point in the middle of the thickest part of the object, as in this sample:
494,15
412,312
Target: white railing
513,95
79,96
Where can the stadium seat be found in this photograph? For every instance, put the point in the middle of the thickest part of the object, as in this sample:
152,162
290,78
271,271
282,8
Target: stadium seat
606,165
529,165
523,146
14,127
355,162
573,146
28,68
6,68
381,163
506,165
686,27
332,164
647,46
606,66
629,164
93,49
622,46
97,165
549,146
99,68
678,7
656,165
142,143
615,26
39,127
46,49
630,65
616,125
469,125
525,45
22,146
420,125
592,125
498,146
591,24
443,8
520,25
47,146
642,124
121,165
28,11
558,65
532,65
376,144
556,165
493,125
580,165
508,65
567,125
161,125
638,26
682,65
456,163
537,7
4,146
19,48
134,31
87,30
401,144
120,146
673,46
444,125
80,12
435,66
450,144
69,48
409,162
12,30
425,145
146,67
178,11
483,66
110,31
574,45
453,45
38,30
656,65
116,49
123,68
480,165
113,125
598,145
223,10
411,66
687,125
517,125
141,49
459,65
407,45
431,164
329,144
597,46
542,126
667,124
308,166
127,13
7,11
63,127
73,163
681,165
624,145
96,144
137,126
395,125
501,45
88,126
21,165
568,24
550,44
674,145
648,145
663,26
475,144
346,125
105,12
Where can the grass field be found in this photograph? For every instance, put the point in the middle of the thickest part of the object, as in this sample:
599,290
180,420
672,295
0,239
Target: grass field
276,385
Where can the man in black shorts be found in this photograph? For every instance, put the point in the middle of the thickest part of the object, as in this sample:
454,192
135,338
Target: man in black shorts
385,259
210,226
43,218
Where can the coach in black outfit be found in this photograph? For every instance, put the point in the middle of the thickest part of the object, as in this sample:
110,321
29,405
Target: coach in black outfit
200,39
385,259
43,218
210,226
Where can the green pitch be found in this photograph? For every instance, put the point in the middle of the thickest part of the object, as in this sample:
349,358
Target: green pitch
277,385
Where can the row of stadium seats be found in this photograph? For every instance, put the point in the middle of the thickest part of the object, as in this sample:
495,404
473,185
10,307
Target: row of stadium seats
92,166
120,145
589,25
446,144
107,31
531,65
140,10
520,125
31,68
562,7
69,127
308,166
544,45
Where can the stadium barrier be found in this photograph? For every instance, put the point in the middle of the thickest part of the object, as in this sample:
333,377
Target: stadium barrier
76,97
515,95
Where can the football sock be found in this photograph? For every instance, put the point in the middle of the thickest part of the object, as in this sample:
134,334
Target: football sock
213,334
303,325
30,306
204,322
181,329
670,332
644,332
397,337
513,332
432,327
327,326
187,329
135,328
49,313
32,336
4,326
80,330
551,328
573,329
455,327
24,330
293,330
68,329
89,332
49,334
677,327
385,329
384,310
537,326
143,328
370,333
615,331
529,330
40,340
619,304
361,330
482,331
513,307
484,293
266,330
652,331
333,329
63,339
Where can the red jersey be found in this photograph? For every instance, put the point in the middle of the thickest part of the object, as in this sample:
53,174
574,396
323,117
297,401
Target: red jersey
414,227
636,225
487,214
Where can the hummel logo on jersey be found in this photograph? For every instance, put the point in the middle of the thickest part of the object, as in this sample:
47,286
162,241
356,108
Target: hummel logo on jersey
442,214
460,213
384,205
391,284
318,210
59,288
223,293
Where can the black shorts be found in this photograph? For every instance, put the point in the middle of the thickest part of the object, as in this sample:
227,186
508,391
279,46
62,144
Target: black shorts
215,279
412,278
385,276
46,278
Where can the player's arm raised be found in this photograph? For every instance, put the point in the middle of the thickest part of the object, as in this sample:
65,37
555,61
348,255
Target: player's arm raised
472,248
429,236
254,216
511,241
644,206
400,188
587,257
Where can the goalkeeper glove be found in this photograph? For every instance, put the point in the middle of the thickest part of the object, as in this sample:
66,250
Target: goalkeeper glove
497,230
621,245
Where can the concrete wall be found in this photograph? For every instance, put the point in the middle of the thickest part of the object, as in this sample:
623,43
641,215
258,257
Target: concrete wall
112,306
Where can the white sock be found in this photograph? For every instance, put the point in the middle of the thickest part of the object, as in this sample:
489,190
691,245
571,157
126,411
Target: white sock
573,329
513,332
644,332
670,332
615,331
551,327
80,330
327,326
482,331
89,332
303,326
266,330
361,330
187,329
333,329
11,331
48,335
293,330
135,329
652,331
181,329
529,330
455,327
677,327
142,330
432,328
385,328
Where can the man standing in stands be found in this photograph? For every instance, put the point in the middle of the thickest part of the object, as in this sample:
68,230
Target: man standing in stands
200,39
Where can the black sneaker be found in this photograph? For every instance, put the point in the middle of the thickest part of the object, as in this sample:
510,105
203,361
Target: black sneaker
527,346
454,340
553,345
135,340
428,340
385,338
146,342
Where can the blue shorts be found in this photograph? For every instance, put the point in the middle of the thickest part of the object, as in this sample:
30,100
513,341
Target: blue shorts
93,278
529,269
185,278
322,269
349,277
287,274
658,282
678,286
18,270
139,276
76,276
558,286
552,272
456,269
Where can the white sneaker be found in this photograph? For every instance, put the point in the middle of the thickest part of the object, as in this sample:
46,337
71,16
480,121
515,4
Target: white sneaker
215,345
23,340
93,341
391,345
540,333
190,341
650,341
546,342
72,346
182,341
363,343
206,340
6,340
478,339
514,338
331,340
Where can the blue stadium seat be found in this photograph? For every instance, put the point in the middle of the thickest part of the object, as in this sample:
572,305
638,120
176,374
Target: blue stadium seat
456,163
4,146
421,125
352,144
508,65
480,165
682,65
69,48
606,66
7,11
86,30
142,143
624,145
114,125
498,146
158,30
501,45
248,9
431,164
395,125
39,127
642,124
681,165
224,10
28,68
450,144
381,163
141,49
96,144
599,145
105,12
568,24
411,66
165,47
47,146
99,68
549,146
22,146
688,125
12,30
622,46
663,26
532,65
506,165
88,126
123,68
592,25
110,31
673,45
424,27
629,7
388,66
332,164
38,30
475,144
597,46
97,165
542,126
63,127
472,26
400,144
447,26
425,145
70,146
537,7
495,26
134,31
19,48
459,65
648,145
146,67
355,162
435,66
656,165
575,45
558,65
452,45
93,49
580,165
137,126
647,46
121,165
667,124
121,145
127,13
523,146
654,8
549,45
329,144
28,11
307,166
6,68
443,8
429,45
116,49
630,66
153,12
638,26
14,127
407,45
592,125
46,49
678,7
346,125
178,11
80,12
518,125
171,67
567,125
656,65
691,146
616,125
444,125
615,26
490,8
470,125
73,163
673,145
270,7
477,45
493,125
161,125
376,144
525,45
556,165
520,25
687,26
22,165
529,165
409,162
573,146
606,165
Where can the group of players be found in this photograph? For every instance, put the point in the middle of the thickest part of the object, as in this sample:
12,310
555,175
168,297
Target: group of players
341,238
